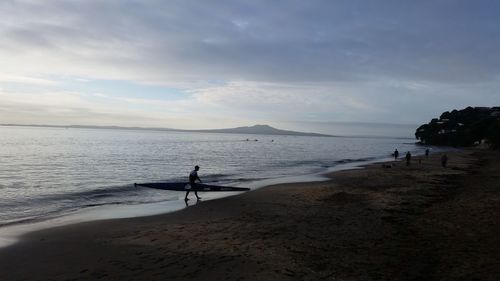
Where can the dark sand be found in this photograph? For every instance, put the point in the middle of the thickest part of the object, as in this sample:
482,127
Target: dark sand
422,222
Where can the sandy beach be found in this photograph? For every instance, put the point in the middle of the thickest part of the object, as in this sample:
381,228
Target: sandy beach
384,222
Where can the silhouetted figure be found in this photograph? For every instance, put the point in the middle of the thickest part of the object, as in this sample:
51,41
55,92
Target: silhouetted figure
193,177
396,154
408,158
444,160
427,153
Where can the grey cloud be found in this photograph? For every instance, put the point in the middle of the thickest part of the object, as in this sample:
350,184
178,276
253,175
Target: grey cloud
448,41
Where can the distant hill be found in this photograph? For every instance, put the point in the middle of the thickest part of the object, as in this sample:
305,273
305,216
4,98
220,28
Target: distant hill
465,127
256,129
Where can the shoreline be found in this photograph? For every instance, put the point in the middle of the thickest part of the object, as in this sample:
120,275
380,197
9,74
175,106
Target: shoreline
398,223
11,234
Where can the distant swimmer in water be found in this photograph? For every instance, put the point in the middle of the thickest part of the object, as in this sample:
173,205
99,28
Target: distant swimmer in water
193,176
396,154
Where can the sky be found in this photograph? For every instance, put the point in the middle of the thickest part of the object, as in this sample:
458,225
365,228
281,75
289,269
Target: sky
302,65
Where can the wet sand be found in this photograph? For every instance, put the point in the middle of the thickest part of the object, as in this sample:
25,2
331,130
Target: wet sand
421,222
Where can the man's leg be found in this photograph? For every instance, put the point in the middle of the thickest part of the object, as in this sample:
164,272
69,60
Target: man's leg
186,198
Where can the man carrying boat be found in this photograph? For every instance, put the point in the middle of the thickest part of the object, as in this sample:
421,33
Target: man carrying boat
193,176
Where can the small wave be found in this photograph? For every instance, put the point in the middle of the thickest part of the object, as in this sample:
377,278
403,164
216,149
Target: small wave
248,179
347,160
16,222
101,192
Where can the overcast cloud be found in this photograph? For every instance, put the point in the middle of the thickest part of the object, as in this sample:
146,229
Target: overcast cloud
243,62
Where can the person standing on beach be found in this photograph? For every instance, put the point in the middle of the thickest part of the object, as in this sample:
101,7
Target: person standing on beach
444,160
396,154
408,158
193,177
426,153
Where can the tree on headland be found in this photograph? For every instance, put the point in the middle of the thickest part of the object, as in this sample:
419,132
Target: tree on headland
466,127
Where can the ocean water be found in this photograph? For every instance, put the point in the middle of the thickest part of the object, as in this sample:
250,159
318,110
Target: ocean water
48,172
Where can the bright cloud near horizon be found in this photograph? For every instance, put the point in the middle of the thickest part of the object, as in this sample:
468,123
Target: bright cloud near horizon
213,64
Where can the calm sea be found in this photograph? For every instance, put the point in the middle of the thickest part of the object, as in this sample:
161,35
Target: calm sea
47,172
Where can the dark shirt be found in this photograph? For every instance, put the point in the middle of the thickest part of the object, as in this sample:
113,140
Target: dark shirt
193,176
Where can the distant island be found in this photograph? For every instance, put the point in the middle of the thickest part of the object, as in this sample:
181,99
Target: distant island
254,130
260,130
466,127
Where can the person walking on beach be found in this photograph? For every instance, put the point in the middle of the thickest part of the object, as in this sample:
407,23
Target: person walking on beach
426,153
408,158
396,154
193,177
444,160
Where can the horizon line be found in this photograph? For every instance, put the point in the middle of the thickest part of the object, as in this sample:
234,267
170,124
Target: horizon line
116,127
